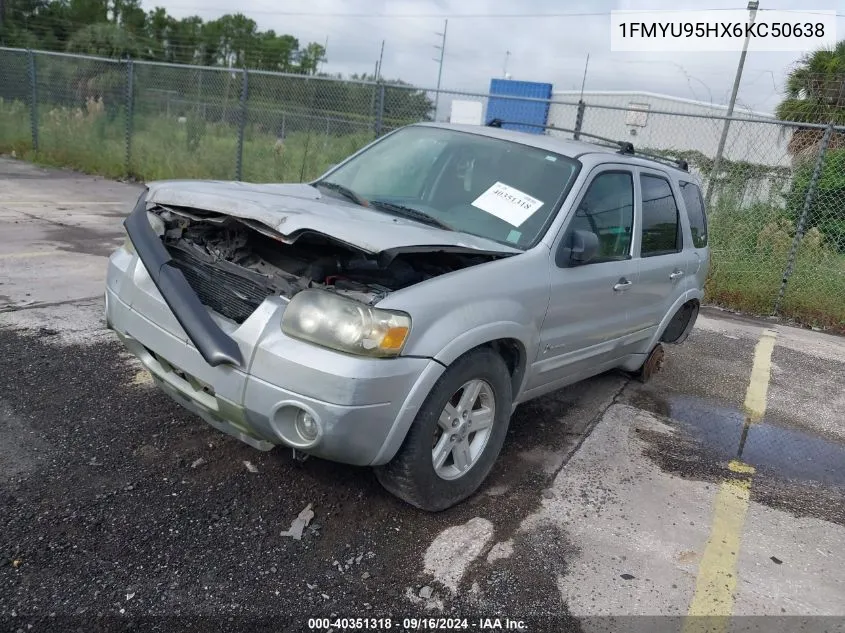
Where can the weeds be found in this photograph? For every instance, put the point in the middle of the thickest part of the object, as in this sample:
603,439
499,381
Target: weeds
750,250
89,140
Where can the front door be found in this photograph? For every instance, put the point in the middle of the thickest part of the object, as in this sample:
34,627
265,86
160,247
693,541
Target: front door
586,324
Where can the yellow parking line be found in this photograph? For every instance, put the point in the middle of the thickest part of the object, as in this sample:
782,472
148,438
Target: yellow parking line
712,604
26,254
758,388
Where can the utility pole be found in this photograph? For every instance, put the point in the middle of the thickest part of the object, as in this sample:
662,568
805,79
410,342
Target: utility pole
753,5
442,49
323,59
584,80
380,59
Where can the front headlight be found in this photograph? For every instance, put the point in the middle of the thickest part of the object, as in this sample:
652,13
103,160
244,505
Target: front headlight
157,225
127,242
156,222
327,319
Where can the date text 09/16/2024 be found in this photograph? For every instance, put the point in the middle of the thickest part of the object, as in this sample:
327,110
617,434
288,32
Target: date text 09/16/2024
416,624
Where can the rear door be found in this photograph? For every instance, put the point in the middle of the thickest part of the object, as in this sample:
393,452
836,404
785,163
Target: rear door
663,262
700,254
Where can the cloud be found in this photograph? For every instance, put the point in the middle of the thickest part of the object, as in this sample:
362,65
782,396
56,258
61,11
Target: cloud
548,49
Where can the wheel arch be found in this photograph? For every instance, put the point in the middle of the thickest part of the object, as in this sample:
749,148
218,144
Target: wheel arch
511,346
681,324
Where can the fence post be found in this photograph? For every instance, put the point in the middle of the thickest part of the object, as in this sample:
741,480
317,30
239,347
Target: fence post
130,110
802,220
379,110
239,166
579,119
33,100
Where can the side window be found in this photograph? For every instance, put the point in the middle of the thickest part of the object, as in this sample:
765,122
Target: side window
607,210
661,227
695,210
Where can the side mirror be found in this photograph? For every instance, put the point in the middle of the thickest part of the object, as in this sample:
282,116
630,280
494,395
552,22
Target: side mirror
579,248
585,246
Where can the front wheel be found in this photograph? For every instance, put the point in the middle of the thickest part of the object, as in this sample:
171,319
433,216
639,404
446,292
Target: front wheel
457,434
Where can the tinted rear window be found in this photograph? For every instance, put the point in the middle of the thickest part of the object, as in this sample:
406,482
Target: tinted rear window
695,209
661,232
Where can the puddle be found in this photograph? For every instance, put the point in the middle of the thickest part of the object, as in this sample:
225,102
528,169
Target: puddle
788,453
77,239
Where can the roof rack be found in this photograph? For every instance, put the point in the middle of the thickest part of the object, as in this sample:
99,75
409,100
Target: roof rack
624,147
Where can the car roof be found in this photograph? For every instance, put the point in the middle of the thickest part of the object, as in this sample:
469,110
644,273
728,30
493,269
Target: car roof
559,145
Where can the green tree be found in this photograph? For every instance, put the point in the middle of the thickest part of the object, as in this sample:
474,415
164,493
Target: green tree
105,40
211,47
815,93
237,38
87,12
273,52
815,88
129,15
827,212
310,58
158,31
41,24
187,40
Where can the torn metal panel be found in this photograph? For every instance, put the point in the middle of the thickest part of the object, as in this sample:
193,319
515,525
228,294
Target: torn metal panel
294,209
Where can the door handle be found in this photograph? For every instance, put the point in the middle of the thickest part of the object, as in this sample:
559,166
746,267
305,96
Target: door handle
622,284
676,275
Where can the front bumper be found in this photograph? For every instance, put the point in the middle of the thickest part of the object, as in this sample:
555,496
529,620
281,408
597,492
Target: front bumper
363,406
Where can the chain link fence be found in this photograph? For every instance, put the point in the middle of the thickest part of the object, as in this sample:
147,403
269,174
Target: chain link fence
775,193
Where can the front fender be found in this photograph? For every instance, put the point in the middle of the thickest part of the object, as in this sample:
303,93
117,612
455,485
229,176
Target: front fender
527,339
450,333
458,311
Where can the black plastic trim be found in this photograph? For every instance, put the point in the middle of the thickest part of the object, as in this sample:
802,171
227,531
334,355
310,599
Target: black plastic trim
215,346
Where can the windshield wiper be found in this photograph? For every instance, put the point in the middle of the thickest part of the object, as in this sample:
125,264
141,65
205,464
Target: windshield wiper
408,212
346,192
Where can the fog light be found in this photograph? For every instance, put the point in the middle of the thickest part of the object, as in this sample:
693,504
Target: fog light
306,426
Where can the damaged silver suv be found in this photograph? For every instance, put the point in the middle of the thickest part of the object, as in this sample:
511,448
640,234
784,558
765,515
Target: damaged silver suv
394,312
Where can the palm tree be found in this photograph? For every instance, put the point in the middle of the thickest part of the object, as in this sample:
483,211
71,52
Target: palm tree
815,93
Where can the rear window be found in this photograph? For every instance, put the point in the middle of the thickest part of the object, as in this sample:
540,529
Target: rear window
695,209
661,234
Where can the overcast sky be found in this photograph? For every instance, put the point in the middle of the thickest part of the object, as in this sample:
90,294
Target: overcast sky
547,49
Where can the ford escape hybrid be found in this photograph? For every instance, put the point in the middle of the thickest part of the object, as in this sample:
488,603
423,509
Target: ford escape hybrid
394,312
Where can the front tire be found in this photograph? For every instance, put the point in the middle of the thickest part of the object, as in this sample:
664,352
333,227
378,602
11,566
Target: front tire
457,434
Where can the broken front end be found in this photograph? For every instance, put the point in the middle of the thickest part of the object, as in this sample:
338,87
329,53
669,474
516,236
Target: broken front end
271,338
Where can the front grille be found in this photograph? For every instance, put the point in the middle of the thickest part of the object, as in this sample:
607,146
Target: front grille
227,293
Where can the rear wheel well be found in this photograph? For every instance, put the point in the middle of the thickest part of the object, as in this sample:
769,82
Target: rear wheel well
677,330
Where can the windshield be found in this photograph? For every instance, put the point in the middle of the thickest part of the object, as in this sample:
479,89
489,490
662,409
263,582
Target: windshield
485,186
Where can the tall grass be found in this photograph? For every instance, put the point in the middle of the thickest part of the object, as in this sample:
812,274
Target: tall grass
93,140
750,250
750,244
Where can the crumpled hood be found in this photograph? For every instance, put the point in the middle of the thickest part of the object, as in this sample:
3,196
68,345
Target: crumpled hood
292,209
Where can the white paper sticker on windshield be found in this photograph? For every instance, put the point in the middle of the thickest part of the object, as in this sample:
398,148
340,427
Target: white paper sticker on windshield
508,204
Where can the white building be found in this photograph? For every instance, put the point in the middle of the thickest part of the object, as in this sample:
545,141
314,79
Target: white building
640,117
